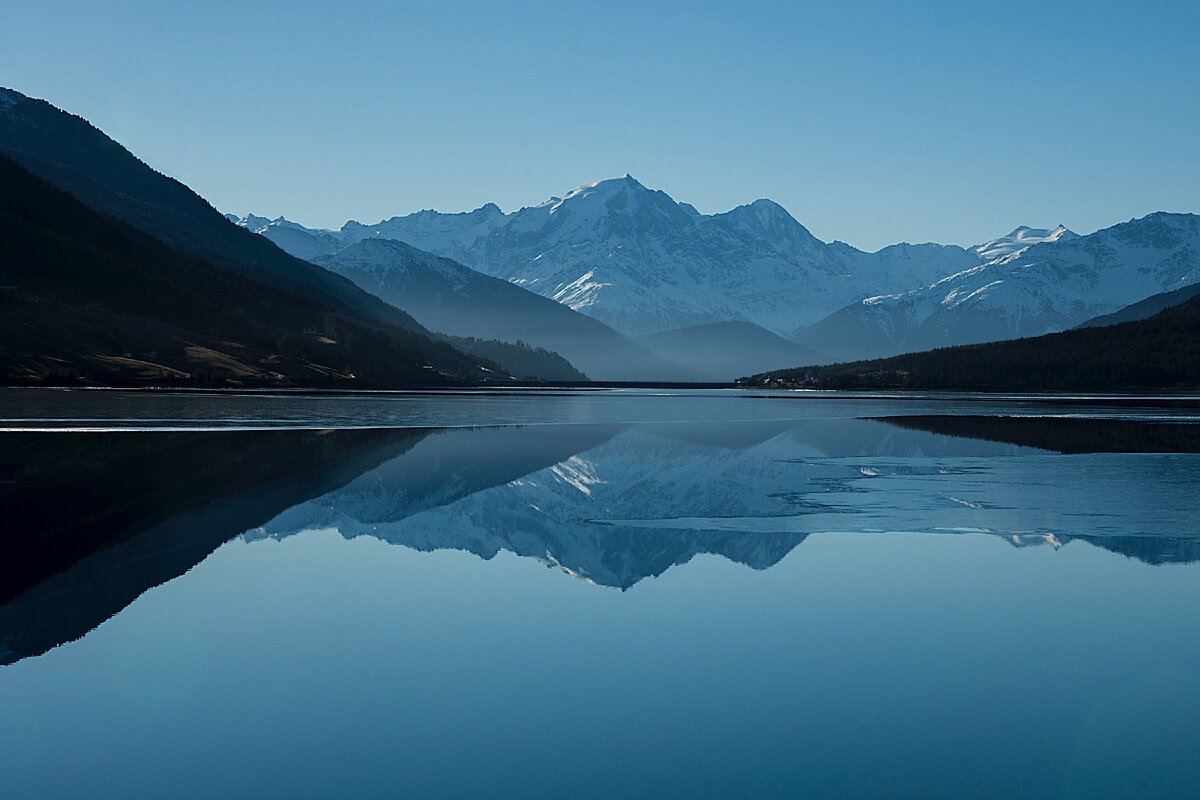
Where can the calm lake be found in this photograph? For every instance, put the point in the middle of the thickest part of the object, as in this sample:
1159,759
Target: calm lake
598,594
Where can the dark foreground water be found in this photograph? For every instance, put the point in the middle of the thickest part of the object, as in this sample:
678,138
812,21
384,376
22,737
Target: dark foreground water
610,595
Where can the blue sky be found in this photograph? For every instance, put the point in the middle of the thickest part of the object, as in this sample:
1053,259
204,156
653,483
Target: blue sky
871,122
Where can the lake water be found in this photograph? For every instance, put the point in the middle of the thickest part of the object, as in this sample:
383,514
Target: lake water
609,594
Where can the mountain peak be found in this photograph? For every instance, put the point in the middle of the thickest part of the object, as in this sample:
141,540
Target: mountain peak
1021,237
258,224
593,198
284,222
1024,232
253,222
605,187
764,216
768,208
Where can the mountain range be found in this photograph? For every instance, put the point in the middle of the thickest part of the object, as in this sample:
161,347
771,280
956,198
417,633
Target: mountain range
1051,285
643,263
612,281
659,271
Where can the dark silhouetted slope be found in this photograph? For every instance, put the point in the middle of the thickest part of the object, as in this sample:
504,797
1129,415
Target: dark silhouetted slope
89,299
94,520
73,154
519,359
1162,352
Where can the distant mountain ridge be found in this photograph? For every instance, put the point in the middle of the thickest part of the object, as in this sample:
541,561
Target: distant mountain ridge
646,264
1052,285
643,263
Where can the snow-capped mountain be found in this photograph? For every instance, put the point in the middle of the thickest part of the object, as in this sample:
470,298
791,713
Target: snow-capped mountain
642,262
1055,283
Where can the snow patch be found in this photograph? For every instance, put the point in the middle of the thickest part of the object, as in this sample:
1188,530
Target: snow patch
577,472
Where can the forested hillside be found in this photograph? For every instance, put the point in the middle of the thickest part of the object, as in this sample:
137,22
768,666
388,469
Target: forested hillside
1162,352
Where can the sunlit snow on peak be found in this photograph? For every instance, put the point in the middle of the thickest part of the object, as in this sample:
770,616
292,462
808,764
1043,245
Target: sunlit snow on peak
600,190
1021,238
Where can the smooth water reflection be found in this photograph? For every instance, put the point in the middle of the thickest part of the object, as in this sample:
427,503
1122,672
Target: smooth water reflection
822,606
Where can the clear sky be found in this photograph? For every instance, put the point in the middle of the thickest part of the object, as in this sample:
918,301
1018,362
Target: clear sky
871,122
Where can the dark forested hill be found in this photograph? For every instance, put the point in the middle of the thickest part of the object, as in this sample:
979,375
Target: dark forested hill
519,359
86,298
1161,352
72,154
92,520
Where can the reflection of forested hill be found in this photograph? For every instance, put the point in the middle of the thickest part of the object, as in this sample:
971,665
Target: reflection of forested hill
1063,435
1151,549
94,520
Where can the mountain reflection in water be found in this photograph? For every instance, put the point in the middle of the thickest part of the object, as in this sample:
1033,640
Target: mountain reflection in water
93,520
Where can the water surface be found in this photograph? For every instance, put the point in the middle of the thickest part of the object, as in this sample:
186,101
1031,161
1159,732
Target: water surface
598,594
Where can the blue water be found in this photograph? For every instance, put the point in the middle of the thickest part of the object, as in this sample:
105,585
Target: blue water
601,595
